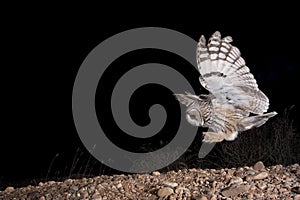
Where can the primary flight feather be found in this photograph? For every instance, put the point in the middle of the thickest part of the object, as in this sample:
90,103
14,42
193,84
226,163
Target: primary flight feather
233,92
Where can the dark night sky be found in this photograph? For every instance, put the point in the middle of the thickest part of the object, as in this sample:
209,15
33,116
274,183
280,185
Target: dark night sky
42,58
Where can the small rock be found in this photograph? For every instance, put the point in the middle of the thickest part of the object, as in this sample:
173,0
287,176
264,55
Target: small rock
278,168
183,192
230,171
250,196
273,196
164,192
9,189
140,186
262,186
171,184
51,182
214,197
250,172
96,195
33,195
41,184
296,165
119,185
260,176
234,191
75,187
282,190
296,190
69,181
239,174
235,180
227,177
155,173
193,170
297,197
259,166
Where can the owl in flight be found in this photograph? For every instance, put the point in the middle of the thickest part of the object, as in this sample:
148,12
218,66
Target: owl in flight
233,92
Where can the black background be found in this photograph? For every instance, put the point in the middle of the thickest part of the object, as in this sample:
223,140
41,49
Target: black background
44,49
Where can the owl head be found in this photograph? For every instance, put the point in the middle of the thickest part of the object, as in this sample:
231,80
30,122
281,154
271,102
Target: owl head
193,113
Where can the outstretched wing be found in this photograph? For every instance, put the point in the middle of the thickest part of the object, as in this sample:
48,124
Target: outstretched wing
223,73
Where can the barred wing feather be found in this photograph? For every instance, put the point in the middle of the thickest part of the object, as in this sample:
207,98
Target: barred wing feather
223,73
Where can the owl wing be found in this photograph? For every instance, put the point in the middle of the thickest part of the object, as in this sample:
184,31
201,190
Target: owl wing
224,74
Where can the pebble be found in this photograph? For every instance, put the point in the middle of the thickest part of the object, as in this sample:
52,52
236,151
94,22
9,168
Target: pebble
9,189
182,191
296,190
75,187
155,173
234,191
260,176
171,184
214,197
235,180
250,172
259,166
297,197
164,192
262,186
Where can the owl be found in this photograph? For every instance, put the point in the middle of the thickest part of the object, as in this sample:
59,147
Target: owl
234,103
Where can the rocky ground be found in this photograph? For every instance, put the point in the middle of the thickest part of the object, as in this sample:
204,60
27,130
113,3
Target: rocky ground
257,182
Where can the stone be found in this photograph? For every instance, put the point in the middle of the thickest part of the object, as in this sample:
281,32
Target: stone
250,196
297,197
260,176
296,190
259,166
214,197
250,172
74,187
41,184
183,192
164,192
9,189
155,173
262,186
234,191
171,184
235,181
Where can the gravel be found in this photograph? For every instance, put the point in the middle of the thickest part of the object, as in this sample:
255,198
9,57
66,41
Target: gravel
257,182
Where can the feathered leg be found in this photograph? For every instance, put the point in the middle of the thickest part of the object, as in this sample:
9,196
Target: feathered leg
210,137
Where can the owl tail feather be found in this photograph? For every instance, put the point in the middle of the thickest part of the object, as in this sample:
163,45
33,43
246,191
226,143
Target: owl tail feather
254,121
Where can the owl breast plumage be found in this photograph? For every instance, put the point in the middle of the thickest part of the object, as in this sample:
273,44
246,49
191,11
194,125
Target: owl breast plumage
233,92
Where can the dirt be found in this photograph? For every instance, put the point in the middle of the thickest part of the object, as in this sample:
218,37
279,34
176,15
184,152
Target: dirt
256,182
